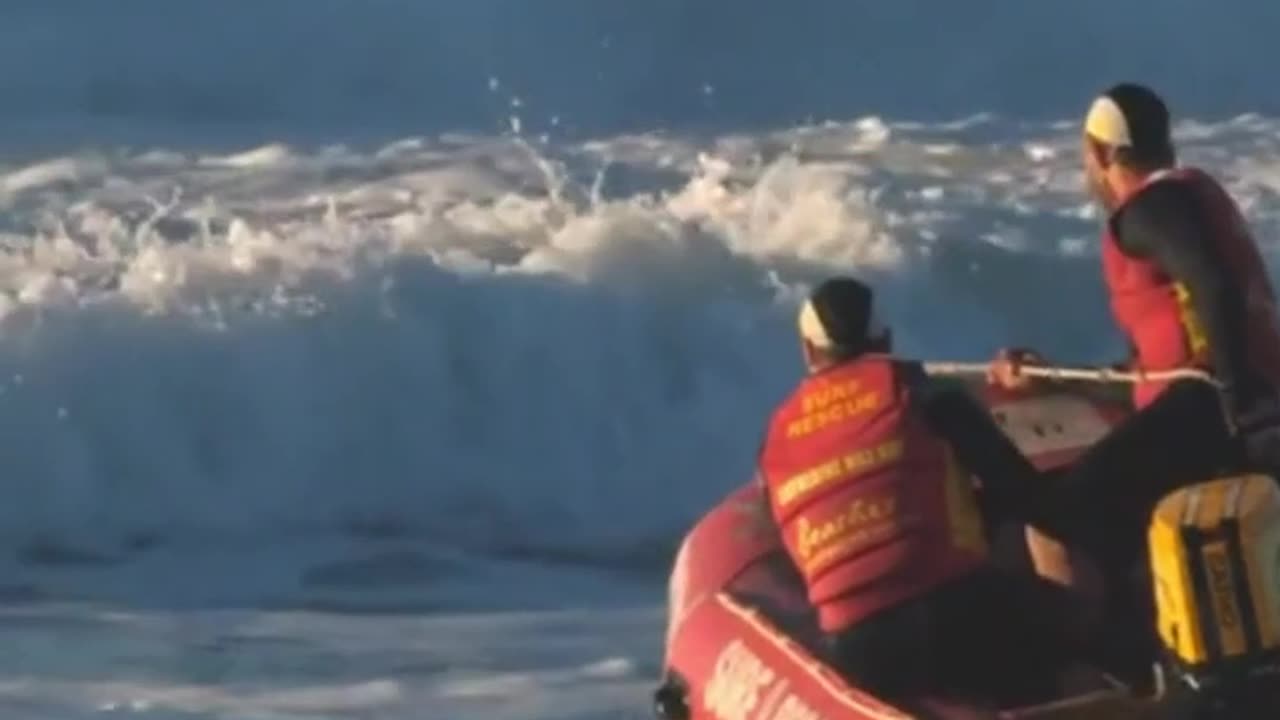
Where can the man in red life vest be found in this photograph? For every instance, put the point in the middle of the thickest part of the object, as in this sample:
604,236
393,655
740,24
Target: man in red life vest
1189,289
866,467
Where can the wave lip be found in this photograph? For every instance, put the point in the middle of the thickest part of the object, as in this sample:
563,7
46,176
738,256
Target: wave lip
516,347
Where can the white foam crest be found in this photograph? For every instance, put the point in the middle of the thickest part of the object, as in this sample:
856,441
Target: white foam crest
513,685
559,349
280,704
269,665
63,171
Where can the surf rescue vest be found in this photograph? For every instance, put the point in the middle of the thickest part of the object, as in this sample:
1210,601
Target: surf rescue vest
1156,313
871,505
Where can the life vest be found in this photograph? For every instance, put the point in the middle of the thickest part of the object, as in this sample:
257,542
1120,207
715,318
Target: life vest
871,505
1157,314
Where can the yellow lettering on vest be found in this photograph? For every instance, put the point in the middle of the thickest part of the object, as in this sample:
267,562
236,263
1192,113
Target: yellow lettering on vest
861,522
800,427
803,482
854,463
833,410
843,547
825,394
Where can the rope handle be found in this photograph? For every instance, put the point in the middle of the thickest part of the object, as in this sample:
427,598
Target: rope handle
1086,374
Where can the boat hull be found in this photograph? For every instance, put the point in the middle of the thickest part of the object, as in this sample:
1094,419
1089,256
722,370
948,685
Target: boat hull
742,642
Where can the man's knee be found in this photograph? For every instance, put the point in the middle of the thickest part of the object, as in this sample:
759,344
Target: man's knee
1074,573
1105,499
885,653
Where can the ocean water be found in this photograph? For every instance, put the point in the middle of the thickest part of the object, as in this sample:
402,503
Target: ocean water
368,360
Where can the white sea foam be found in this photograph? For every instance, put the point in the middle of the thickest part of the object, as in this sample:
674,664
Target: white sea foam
502,345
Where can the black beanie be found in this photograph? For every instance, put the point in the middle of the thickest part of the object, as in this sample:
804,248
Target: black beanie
1135,117
843,309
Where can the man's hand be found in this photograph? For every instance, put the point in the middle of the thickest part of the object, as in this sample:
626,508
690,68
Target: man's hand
1006,370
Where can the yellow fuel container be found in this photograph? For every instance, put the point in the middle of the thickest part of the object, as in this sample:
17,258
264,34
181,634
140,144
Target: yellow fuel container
1215,562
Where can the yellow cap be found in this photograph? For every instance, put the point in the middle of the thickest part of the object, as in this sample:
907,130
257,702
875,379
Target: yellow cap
815,330
1107,123
811,327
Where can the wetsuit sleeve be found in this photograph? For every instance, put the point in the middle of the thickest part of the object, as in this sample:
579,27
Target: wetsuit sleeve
758,477
1166,224
1009,480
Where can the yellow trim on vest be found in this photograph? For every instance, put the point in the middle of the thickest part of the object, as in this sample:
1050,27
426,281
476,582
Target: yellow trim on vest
1192,327
964,520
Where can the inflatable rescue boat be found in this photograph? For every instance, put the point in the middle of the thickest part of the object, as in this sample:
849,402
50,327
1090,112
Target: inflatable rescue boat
742,642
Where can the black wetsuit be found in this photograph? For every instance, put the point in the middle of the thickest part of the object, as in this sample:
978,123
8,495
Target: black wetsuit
1168,224
1183,435
1103,504
993,635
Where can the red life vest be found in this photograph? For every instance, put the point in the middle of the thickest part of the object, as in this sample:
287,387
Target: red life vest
1157,314
871,505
